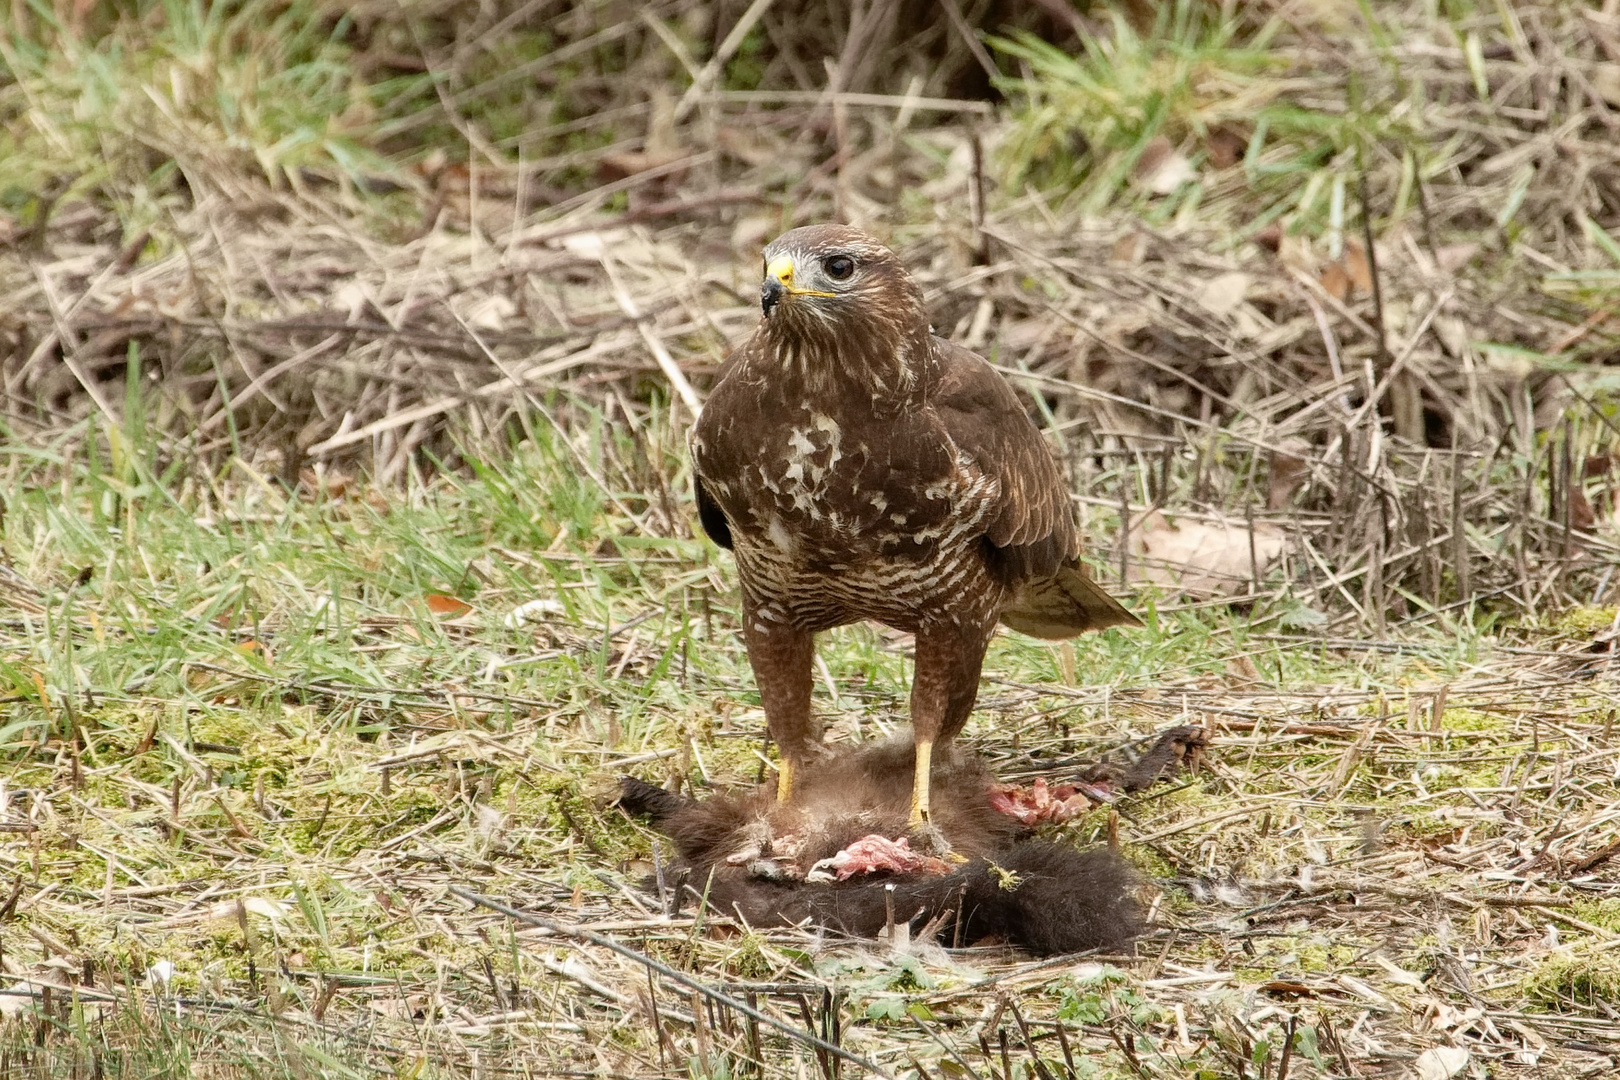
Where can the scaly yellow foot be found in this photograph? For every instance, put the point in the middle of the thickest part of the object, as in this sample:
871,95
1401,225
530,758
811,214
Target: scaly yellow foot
919,782
928,839
784,780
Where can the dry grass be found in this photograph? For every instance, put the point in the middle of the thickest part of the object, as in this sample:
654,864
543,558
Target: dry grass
1378,877
288,387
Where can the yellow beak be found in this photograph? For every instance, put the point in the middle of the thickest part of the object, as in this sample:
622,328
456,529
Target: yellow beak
781,271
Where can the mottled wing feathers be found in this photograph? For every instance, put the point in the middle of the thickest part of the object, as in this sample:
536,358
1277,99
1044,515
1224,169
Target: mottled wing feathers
1031,529
1030,537
714,441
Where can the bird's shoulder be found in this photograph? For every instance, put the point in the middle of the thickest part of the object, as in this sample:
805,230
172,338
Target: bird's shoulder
733,405
991,428
967,384
983,415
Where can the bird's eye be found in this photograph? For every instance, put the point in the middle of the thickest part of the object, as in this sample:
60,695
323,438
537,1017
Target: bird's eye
838,267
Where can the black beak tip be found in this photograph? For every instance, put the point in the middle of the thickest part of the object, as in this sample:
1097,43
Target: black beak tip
770,294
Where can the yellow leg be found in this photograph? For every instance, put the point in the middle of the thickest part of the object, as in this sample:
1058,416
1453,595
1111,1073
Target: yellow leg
919,784
784,780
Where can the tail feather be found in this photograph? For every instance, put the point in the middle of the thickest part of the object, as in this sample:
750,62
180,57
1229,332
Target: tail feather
1063,605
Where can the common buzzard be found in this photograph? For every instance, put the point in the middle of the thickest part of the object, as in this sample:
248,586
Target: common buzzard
859,467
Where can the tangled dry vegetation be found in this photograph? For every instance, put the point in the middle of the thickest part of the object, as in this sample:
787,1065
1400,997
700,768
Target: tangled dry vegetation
303,408
1358,286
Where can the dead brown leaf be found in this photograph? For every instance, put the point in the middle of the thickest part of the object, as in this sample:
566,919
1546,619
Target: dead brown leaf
1225,146
1289,469
1357,267
1335,281
440,604
1241,668
1128,250
1348,275
1581,514
1203,558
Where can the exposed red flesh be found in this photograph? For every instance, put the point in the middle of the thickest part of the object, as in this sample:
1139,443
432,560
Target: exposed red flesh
872,853
1040,803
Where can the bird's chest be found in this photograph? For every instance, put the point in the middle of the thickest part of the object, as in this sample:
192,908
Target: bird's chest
834,519
816,487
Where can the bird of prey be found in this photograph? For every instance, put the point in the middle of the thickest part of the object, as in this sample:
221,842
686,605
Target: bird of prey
858,467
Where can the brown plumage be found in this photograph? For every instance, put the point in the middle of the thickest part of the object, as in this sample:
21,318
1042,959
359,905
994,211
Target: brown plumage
861,468
748,854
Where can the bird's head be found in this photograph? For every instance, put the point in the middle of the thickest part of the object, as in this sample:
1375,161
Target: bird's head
837,302
834,274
